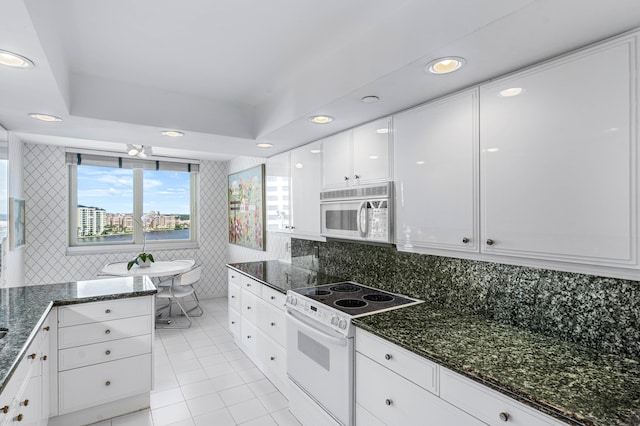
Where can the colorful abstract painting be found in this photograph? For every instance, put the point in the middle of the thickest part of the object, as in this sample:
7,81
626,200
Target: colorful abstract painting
246,208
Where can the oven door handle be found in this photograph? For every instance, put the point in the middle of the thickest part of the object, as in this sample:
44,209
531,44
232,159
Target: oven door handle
363,224
308,327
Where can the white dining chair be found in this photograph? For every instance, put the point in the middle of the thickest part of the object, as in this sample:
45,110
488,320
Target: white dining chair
176,289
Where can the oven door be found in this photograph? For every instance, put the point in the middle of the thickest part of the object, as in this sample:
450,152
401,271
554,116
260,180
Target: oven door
320,362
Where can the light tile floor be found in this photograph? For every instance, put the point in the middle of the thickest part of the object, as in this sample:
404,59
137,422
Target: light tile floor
202,378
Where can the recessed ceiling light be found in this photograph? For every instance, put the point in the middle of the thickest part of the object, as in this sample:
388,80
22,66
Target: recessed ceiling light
321,119
373,157
420,162
370,99
172,133
512,91
383,130
14,60
44,117
444,65
299,165
315,151
264,145
493,149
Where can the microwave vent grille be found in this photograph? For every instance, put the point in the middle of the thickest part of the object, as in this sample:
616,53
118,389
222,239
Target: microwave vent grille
358,192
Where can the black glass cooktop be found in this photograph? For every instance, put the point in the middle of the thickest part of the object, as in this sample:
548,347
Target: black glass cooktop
354,299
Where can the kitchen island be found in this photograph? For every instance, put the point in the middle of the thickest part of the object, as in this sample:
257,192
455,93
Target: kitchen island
47,322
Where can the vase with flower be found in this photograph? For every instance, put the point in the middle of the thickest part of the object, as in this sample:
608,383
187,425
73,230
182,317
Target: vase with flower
144,259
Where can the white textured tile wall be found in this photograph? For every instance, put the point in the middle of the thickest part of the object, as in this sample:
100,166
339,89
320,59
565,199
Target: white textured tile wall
45,188
13,262
278,245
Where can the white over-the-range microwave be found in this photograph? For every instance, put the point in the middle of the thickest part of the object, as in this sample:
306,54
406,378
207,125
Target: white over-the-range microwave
361,213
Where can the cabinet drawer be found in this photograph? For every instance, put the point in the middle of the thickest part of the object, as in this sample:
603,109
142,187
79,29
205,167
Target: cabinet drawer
271,320
98,384
488,405
87,334
234,277
409,365
84,313
82,356
274,297
251,285
234,295
248,337
235,324
249,308
397,401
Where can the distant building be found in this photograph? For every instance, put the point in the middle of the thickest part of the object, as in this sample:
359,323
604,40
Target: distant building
91,221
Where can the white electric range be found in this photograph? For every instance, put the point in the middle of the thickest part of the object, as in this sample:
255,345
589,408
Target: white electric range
320,348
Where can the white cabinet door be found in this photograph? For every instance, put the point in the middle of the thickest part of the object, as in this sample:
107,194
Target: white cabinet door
559,160
436,174
337,160
277,193
371,152
305,189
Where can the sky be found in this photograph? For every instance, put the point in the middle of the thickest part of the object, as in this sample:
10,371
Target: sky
112,190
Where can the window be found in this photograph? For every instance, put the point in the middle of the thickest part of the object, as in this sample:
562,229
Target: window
109,195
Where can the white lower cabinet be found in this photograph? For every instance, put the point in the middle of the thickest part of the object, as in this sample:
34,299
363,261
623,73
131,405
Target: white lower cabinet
488,405
257,322
397,387
104,360
25,399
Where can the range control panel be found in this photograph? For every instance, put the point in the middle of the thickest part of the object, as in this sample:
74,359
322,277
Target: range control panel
316,312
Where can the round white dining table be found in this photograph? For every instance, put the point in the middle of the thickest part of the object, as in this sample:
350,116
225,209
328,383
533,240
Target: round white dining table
159,268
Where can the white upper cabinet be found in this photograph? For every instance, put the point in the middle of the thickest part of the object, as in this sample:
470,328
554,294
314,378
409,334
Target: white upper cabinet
305,189
559,159
277,193
436,175
357,156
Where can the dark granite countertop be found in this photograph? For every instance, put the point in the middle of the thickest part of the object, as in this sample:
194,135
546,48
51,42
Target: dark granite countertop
283,276
23,309
570,382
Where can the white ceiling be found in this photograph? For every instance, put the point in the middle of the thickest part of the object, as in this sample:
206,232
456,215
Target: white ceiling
231,73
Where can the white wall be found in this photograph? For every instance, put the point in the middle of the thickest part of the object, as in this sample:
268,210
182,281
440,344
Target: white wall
14,260
45,192
278,245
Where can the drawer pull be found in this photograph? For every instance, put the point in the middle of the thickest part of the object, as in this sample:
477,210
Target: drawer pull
388,357
32,356
248,337
504,416
490,243
233,297
272,358
273,324
5,409
107,331
388,402
108,311
248,284
233,322
107,383
107,352
273,298
248,308
47,328
26,403
44,357
19,418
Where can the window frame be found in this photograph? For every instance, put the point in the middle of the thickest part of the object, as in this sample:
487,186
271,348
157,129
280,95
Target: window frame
138,199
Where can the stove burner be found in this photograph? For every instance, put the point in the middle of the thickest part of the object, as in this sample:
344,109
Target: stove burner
346,288
378,297
350,303
316,292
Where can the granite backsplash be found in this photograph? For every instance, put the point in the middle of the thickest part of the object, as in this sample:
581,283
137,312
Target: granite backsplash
596,312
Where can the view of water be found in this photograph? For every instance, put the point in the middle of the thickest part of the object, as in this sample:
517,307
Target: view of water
182,234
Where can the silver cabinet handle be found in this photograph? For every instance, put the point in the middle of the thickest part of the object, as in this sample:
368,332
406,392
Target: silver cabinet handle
346,178
465,240
107,311
490,242
504,416
107,331
388,357
356,176
388,402
107,352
